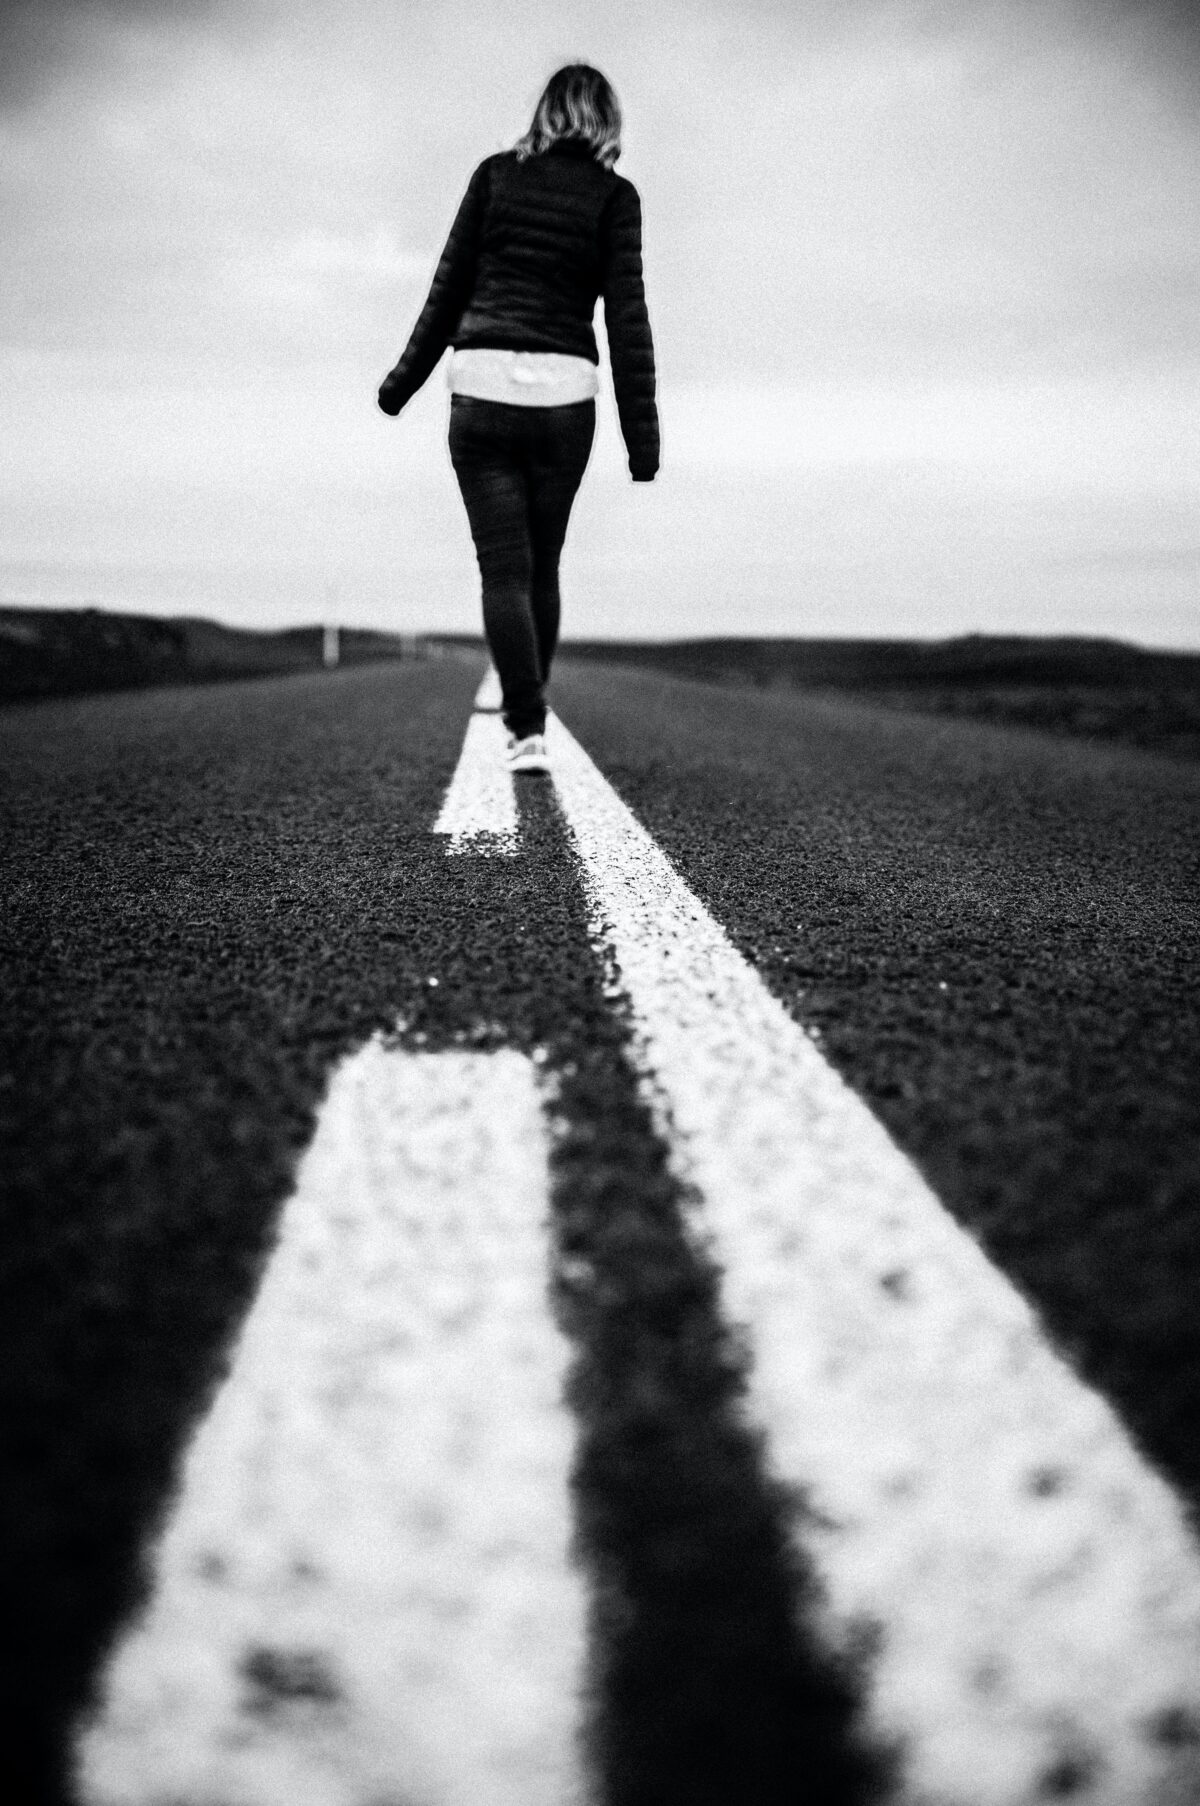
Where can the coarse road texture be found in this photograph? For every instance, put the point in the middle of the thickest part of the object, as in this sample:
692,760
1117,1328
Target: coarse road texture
213,896
996,938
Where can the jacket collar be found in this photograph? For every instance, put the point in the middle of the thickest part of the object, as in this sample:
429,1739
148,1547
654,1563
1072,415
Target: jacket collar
570,147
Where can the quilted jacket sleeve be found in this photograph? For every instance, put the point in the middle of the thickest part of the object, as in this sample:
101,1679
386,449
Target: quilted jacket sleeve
631,348
448,295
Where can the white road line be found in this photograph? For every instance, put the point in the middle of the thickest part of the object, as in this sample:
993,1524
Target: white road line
479,811
362,1592
1036,1586
488,697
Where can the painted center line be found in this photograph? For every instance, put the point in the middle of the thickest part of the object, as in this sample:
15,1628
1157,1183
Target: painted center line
479,811
363,1591
1034,1584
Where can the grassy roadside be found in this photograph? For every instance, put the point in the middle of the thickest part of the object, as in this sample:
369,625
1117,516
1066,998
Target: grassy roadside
63,652
1082,688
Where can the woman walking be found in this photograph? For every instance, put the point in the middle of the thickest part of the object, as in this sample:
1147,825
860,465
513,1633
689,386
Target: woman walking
543,231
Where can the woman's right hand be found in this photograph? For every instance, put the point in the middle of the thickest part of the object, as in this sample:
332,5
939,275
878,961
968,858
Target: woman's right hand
389,395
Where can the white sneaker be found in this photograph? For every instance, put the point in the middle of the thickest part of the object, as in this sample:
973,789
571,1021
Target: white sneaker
528,754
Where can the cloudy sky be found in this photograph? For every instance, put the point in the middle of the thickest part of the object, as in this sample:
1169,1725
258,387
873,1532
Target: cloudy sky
924,280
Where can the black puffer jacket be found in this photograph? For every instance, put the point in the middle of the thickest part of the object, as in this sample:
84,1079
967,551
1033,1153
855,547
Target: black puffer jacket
533,246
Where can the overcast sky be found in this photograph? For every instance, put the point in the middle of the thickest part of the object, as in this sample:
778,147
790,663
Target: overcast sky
924,281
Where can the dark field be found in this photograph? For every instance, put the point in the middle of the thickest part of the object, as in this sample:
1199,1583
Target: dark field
1100,690
69,651
1091,689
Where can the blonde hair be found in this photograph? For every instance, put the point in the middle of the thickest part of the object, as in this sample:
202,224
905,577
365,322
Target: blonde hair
577,103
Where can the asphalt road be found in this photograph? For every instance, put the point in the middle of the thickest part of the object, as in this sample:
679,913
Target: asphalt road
995,936
212,895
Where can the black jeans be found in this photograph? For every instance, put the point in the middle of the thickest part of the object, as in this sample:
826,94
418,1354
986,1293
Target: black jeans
518,469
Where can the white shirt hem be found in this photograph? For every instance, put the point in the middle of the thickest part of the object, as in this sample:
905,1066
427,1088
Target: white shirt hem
524,379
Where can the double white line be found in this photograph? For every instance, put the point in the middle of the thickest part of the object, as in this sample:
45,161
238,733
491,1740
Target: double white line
1034,1586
